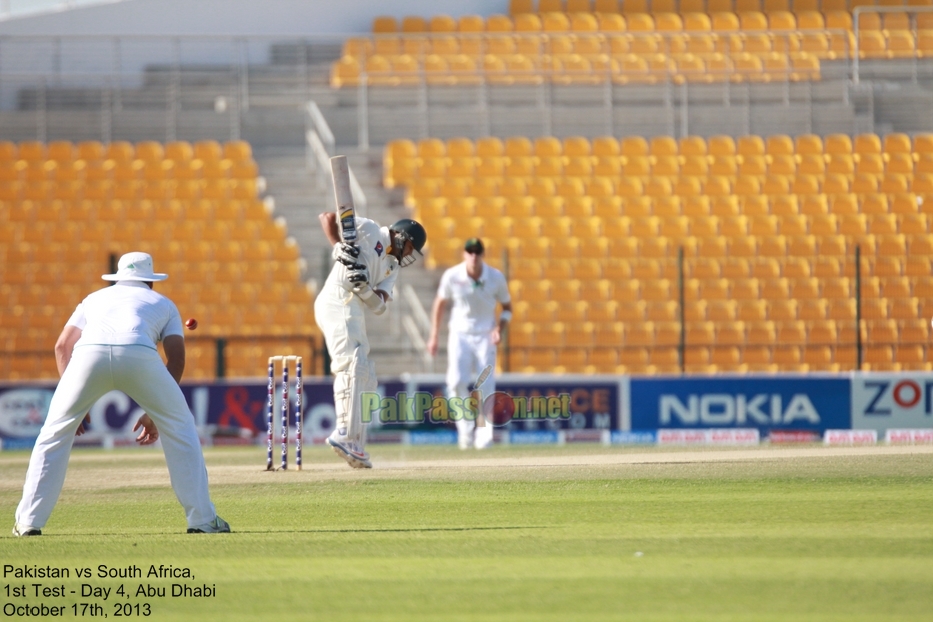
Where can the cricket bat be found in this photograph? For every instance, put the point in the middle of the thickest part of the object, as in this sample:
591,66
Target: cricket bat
482,378
346,214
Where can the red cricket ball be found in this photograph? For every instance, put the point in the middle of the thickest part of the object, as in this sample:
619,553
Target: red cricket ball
498,408
191,324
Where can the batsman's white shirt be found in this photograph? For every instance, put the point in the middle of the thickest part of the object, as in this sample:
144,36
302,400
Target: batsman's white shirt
341,316
373,242
474,302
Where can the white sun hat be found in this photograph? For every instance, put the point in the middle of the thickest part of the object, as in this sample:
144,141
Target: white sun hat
135,267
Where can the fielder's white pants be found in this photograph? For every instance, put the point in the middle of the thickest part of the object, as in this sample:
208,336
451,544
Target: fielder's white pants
468,354
139,372
341,317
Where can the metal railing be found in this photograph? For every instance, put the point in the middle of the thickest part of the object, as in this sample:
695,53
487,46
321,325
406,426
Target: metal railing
163,88
605,90
152,87
11,9
417,325
320,146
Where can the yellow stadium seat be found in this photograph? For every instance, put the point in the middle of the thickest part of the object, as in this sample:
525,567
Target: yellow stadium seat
900,44
900,164
867,144
413,24
897,143
442,23
696,21
871,163
32,150
914,331
345,72
384,24
838,144
527,22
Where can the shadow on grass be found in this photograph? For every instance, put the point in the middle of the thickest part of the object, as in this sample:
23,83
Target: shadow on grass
280,531
398,530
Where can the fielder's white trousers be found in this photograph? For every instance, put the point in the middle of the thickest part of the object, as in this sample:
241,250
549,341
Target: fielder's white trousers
139,372
468,354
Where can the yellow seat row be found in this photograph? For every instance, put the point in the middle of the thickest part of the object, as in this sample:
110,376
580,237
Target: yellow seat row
728,35
547,53
895,295
232,212
672,6
912,210
122,151
655,68
672,194
446,252
649,334
911,227
749,311
130,232
791,267
158,191
707,360
609,146
583,18
90,171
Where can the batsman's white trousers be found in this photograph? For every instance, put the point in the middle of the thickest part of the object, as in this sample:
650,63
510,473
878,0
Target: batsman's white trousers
139,372
341,317
468,354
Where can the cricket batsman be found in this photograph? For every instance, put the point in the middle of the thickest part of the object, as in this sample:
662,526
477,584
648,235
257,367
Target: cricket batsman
362,278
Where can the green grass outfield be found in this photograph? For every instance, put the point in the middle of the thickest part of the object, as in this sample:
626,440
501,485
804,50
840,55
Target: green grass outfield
515,533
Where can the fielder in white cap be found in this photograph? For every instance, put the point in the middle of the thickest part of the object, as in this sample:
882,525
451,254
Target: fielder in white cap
110,343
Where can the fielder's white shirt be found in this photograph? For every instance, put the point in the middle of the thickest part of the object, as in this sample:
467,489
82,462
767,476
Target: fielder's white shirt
474,302
373,242
126,313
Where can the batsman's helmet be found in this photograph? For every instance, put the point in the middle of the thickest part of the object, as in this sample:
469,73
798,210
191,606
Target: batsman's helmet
409,230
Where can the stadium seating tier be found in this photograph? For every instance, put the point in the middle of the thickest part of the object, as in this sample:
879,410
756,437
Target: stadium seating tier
196,207
767,249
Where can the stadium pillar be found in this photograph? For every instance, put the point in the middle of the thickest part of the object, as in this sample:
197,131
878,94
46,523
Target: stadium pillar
506,348
858,307
221,358
682,344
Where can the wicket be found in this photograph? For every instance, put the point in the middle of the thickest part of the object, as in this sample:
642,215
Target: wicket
270,408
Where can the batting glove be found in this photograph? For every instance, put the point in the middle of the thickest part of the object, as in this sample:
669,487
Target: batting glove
346,254
357,276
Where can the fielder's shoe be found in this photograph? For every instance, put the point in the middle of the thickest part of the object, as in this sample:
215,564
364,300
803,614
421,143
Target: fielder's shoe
350,451
218,525
25,530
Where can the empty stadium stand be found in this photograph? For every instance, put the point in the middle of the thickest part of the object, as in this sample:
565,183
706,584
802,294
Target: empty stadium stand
767,225
632,43
196,207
